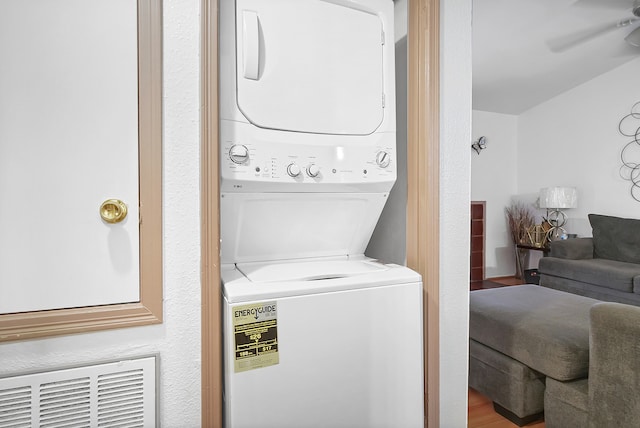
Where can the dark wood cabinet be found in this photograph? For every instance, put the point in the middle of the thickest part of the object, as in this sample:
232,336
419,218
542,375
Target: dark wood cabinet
478,209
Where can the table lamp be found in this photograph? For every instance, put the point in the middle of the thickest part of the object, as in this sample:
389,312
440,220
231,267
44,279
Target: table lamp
554,199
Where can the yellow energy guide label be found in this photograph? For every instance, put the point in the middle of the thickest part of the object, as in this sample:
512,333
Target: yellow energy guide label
255,327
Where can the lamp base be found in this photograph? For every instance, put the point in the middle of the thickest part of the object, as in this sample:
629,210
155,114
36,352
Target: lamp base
557,219
556,233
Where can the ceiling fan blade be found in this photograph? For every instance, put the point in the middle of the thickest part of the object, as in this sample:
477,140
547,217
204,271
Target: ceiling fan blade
633,38
605,4
563,43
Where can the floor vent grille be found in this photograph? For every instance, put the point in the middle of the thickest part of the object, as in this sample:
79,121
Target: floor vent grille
120,394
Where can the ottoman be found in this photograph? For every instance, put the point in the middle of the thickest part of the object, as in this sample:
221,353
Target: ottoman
520,335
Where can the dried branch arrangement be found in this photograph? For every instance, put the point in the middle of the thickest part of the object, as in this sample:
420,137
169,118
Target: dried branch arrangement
520,219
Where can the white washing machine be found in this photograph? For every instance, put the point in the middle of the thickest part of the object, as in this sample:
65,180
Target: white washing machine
334,343
315,333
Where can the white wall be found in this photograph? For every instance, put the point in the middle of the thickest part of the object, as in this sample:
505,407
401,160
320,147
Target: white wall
570,140
455,170
178,338
573,140
494,181
400,19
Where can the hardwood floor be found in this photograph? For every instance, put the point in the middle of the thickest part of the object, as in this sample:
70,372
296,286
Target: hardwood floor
507,280
482,415
495,282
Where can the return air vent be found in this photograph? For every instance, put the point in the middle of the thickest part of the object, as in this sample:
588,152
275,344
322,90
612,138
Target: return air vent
15,407
65,403
120,394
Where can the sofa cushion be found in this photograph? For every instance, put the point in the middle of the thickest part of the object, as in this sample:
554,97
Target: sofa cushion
576,249
615,238
545,329
602,272
574,393
614,383
566,404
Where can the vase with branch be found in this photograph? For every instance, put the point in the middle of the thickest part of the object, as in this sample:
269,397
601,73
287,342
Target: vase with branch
520,219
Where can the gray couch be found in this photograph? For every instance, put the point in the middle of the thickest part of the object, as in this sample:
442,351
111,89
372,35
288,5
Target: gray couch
535,350
518,338
609,397
605,267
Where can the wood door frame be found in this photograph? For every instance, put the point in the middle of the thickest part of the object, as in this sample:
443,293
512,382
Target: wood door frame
423,182
423,207
211,305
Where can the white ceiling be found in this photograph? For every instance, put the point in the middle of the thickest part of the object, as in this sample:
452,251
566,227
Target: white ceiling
524,51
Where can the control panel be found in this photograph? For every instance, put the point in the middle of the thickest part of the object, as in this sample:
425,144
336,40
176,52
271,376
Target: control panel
248,163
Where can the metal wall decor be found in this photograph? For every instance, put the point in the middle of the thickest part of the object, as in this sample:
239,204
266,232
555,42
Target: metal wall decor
480,145
629,126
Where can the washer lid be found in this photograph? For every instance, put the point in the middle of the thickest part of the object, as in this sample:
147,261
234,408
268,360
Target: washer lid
309,66
308,271
284,279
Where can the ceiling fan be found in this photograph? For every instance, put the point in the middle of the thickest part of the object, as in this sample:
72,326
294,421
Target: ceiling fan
563,43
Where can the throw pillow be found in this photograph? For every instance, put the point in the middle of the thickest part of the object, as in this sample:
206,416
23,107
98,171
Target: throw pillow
615,238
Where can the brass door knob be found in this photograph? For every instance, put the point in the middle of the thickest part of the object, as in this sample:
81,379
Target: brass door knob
113,210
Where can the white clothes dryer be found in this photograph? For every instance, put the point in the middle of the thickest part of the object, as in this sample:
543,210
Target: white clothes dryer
307,96
332,343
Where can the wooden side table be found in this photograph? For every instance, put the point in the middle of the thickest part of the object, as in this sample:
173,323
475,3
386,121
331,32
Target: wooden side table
521,254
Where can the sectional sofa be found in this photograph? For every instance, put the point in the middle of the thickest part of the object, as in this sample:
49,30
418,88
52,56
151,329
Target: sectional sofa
605,267
562,350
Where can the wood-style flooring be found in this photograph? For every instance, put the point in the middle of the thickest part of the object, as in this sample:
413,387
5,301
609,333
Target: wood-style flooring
502,281
482,415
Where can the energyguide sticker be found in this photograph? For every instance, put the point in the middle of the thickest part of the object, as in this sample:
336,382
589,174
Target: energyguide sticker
255,328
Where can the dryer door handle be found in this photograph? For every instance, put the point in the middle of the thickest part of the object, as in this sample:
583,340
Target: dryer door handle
251,45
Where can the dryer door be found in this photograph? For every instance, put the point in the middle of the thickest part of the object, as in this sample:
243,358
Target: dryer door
309,66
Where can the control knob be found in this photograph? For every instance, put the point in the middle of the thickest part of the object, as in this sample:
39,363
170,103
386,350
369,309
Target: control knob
239,154
383,159
313,170
293,170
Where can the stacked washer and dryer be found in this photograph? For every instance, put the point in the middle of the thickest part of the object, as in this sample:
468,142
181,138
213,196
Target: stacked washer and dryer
315,333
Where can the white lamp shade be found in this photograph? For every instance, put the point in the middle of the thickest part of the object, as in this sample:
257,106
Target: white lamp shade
558,197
